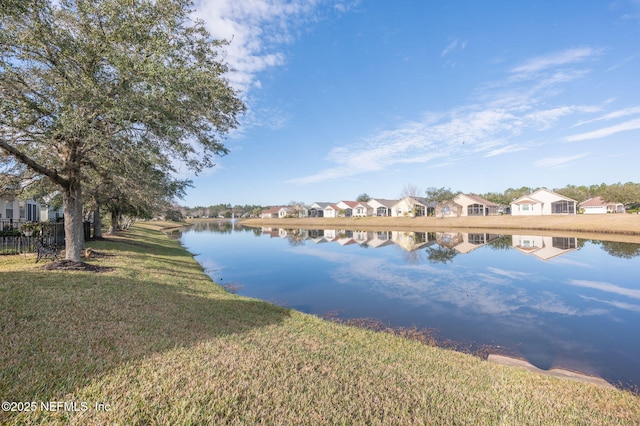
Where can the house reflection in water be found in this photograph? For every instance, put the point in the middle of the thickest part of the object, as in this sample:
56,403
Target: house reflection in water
464,242
544,248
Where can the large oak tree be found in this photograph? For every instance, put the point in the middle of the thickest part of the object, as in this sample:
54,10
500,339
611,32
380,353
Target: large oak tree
85,84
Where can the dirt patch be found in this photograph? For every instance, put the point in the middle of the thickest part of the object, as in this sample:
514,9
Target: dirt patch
69,265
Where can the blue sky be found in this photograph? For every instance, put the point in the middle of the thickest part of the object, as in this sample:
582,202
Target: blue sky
346,97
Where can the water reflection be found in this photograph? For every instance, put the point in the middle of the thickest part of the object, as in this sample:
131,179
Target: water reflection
555,301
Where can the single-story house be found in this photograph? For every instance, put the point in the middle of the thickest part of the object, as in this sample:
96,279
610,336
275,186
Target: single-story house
381,207
331,210
543,202
286,211
413,207
597,205
317,209
270,213
472,205
346,208
362,209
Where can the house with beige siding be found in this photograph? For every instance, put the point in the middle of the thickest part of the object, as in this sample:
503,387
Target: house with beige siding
472,205
543,202
270,213
381,207
413,207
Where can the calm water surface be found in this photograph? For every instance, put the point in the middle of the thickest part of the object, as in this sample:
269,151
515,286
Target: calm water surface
556,302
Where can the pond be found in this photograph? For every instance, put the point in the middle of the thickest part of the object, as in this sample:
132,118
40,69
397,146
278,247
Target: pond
557,302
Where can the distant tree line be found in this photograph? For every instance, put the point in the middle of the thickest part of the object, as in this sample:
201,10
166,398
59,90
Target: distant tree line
221,210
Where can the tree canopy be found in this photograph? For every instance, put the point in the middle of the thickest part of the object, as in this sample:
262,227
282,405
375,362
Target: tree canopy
88,85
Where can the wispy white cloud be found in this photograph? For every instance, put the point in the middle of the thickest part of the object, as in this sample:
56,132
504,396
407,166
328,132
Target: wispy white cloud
615,304
606,131
453,45
505,109
612,115
507,149
559,161
259,30
553,60
516,275
606,287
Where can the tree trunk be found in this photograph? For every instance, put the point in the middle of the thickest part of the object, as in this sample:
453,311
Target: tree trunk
73,228
114,221
97,223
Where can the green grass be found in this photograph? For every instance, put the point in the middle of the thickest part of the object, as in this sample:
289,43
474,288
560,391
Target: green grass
161,343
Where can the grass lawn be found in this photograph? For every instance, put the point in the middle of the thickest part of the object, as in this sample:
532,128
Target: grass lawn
155,341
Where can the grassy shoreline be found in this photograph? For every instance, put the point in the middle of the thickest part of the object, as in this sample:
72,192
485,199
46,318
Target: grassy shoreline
159,342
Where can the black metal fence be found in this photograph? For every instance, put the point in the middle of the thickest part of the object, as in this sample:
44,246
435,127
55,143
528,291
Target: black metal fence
24,241
9,224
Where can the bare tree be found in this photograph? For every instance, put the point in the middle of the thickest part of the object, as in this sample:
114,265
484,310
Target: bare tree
411,190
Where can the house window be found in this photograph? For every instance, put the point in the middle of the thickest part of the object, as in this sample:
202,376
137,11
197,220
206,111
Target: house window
563,243
446,210
525,207
475,210
419,210
476,239
563,206
9,212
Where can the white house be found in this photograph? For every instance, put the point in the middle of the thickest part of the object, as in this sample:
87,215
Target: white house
331,210
597,205
413,207
14,212
472,205
346,208
286,211
543,202
362,209
381,207
317,209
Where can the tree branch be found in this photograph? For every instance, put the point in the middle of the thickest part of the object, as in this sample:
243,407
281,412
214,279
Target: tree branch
33,165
